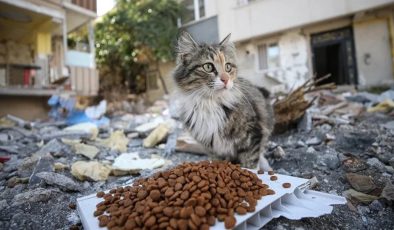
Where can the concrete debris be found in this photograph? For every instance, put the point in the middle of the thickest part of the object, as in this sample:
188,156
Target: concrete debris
59,166
313,141
88,151
156,136
149,126
117,141
360,183
376,163
59,180
92,170
82,129
44,164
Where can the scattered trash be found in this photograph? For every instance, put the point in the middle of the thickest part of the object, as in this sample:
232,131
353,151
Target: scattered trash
91,170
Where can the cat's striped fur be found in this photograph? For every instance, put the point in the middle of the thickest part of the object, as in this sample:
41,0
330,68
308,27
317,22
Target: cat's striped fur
226,113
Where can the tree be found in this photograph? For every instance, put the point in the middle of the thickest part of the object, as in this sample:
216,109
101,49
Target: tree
135,33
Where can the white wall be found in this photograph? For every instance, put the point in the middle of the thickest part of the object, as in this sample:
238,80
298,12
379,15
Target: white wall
373,52
263,17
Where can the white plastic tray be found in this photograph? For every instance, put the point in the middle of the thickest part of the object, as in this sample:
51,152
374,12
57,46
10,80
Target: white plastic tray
293,203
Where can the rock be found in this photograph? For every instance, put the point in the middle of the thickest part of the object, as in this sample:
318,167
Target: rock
388,192
376,205
13,181
305,123
129,163
44,164
117,141
329,137
375,163
388,125
53,146
310,150
360,183
91,170
313,141
358,196
1,166
282,171
3,204
314,182
330,158
324,128
391,162
35,195
150,125
156,136
354,164
363,210
363,97
300,144
59,166
279,153
389,169
61,181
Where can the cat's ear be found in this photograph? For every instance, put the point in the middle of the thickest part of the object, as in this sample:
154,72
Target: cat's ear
226,40
186,44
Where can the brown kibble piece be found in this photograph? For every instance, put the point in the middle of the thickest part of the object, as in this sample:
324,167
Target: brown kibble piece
155,195
286,185
273,178
241,210
200,211
260,171
100,194
150,221
271,172
229,222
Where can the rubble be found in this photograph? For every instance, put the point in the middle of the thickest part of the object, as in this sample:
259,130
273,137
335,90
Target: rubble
336,143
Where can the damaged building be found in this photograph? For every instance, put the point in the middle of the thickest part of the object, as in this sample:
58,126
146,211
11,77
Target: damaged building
36,57
350,39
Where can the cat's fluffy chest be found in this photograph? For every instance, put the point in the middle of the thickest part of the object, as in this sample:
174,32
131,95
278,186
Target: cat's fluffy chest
205,118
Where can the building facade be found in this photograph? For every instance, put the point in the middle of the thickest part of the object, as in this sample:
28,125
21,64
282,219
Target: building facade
282,43
37,56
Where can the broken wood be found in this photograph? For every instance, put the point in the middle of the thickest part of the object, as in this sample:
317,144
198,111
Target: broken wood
289,110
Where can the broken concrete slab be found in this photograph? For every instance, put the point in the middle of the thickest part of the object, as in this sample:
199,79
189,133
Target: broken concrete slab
88,151
360,183
63,182
92,170
44,164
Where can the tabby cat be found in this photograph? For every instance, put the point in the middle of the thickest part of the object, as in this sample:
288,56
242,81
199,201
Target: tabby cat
224,112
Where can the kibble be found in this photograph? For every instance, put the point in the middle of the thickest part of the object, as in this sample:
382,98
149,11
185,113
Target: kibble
190,196
260,171
271,172
273,178
286,185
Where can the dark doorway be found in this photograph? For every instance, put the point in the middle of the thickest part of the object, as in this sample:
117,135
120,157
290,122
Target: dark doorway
333,53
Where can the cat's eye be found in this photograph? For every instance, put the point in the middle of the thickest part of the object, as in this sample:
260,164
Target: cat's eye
208,67
228,67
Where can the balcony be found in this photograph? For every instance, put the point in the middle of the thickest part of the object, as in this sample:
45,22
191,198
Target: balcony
206,29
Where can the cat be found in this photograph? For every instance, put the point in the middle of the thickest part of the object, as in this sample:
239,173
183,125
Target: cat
225,113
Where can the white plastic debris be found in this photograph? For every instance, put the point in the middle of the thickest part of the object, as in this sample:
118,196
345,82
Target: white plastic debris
293,203
132,162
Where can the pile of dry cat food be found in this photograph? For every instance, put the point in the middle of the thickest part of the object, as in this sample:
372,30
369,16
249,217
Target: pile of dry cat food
189,196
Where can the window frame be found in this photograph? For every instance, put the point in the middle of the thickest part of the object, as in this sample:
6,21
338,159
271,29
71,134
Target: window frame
266,44
197,13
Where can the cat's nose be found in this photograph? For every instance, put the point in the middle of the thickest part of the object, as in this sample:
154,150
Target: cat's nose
224,78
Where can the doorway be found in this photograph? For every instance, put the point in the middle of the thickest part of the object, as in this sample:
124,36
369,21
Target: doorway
333,53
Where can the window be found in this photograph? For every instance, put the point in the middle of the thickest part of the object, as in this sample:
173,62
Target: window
268,56
195,9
